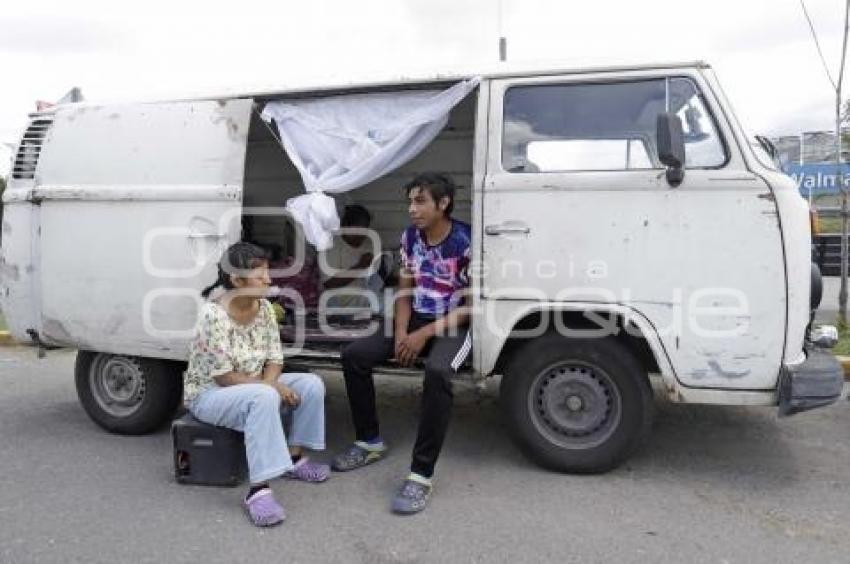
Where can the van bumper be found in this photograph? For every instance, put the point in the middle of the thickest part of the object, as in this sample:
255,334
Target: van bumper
815,382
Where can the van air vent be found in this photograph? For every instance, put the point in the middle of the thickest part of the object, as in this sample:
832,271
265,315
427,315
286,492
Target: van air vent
26,157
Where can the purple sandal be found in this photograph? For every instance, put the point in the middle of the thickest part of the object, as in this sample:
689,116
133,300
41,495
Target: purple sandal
263,509
309,471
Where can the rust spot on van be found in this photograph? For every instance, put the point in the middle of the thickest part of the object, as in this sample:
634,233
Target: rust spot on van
673,394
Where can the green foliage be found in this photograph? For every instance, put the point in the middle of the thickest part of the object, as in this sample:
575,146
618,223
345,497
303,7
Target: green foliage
843,346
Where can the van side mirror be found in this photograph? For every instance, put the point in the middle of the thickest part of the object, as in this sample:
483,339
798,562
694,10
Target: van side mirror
670,140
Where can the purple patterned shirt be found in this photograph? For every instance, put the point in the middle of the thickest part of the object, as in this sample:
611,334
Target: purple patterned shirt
440,271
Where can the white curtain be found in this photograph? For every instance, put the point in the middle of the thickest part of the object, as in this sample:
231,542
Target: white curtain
340,143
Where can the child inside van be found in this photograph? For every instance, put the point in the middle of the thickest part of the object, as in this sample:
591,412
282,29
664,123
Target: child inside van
235,380
351,252
296,281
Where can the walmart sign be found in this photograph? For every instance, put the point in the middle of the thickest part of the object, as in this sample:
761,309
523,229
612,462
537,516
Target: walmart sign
817,178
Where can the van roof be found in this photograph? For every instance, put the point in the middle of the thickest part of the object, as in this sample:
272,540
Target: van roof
412,80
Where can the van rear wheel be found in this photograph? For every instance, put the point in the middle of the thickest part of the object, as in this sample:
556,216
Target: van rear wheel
576,405
126,394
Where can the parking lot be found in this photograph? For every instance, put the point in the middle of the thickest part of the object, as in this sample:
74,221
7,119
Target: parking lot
715,484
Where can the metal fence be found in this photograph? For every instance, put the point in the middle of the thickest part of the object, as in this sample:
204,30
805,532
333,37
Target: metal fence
828,245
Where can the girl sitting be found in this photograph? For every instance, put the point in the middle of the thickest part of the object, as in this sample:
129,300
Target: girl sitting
234,380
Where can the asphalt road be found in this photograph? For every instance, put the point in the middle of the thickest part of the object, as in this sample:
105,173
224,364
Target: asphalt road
828,310
715,484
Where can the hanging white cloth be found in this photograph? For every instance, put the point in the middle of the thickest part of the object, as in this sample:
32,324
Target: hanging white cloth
340,143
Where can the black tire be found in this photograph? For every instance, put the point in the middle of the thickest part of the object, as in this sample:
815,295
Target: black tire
576,405
128,395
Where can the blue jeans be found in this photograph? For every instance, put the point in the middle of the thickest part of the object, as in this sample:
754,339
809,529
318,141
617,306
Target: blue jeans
255,409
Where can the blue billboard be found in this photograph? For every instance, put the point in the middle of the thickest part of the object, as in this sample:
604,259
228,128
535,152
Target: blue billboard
817,179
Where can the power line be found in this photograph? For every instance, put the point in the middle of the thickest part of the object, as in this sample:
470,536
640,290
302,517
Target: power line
844,44
817,44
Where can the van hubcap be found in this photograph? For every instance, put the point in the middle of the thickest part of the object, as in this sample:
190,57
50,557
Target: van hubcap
117,384
575,405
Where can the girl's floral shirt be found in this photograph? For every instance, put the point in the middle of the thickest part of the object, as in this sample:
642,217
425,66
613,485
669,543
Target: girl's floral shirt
221,345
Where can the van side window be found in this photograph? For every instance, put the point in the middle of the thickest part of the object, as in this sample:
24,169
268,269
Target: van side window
602,127
554,128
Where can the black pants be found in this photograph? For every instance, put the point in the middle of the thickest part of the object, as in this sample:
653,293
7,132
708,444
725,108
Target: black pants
443,357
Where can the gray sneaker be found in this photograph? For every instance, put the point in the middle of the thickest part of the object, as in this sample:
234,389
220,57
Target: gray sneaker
411,498
355,456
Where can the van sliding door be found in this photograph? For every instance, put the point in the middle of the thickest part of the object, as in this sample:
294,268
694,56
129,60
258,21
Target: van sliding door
137,202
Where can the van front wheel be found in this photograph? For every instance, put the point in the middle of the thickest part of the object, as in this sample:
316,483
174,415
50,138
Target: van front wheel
126,394
576,405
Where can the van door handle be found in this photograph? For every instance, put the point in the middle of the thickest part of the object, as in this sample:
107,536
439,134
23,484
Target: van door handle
506,229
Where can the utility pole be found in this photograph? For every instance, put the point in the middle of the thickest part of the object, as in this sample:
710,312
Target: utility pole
839,177
802,162
503,41
839,173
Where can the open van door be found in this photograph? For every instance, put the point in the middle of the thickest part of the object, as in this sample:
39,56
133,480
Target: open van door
133,205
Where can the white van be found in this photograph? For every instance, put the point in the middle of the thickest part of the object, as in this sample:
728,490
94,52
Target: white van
624,228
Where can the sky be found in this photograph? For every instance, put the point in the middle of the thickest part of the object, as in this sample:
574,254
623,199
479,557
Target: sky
762,51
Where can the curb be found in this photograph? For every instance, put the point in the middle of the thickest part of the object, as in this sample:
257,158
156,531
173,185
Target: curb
6,340
845,363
